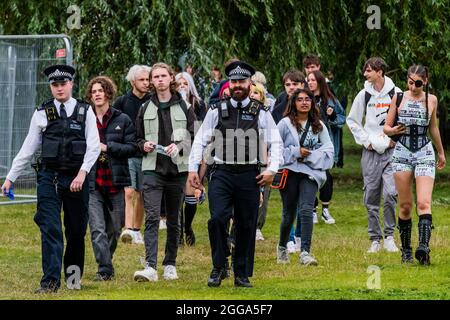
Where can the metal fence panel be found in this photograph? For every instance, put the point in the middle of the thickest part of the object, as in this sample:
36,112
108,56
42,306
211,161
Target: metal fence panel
22,87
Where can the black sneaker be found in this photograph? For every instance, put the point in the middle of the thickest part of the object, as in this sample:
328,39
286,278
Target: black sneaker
51,287
216,277
190,237
101,276
242,282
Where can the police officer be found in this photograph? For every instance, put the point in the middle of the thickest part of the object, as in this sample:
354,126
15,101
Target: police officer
66,131
241,129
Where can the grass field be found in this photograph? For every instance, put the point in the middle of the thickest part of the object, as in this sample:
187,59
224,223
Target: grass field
340,249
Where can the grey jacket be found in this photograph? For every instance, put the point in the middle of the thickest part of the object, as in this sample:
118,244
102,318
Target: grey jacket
322,151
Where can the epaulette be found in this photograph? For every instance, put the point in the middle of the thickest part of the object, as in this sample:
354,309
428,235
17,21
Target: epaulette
46,103
255,106
266,108
218,104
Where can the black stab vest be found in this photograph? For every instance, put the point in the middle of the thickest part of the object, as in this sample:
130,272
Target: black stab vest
236,140
64,141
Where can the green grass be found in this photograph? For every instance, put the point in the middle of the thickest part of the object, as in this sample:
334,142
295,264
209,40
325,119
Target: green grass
340,250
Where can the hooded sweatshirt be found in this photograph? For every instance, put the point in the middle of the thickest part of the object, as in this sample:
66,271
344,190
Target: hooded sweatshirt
371,133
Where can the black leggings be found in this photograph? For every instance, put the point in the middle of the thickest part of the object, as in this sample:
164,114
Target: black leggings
326,192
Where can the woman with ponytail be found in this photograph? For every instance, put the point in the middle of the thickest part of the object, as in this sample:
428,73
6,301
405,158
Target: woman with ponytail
414,158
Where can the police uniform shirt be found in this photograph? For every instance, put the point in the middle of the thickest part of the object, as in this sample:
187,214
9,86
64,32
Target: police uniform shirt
33,140
266,125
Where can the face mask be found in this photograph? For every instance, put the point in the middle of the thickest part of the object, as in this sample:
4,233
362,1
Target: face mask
184,94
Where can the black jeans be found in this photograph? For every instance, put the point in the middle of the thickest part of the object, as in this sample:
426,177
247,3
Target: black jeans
155,187
300,190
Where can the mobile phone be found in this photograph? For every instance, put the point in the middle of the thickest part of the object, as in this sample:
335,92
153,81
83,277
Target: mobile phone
160,149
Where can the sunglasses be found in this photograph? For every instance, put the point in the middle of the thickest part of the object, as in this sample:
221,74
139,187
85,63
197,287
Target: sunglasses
417,83
304,99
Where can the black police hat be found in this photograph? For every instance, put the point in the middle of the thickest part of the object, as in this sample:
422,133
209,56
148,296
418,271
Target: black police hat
239,70
59,73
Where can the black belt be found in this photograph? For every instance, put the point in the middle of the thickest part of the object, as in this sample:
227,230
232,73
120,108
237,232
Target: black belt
68,172
237,168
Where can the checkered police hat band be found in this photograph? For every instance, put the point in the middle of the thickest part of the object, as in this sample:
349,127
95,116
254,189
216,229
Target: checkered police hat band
238,71
60,74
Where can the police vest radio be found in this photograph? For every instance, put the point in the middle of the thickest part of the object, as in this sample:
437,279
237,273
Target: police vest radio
224,110
81,113
253,109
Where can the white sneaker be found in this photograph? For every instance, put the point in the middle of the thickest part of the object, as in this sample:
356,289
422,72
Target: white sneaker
259,235
307,259
148,274
162,224
137,237
389,244
298,244
170,272
127,236
290,247
326,216
374,247
315,219
282,255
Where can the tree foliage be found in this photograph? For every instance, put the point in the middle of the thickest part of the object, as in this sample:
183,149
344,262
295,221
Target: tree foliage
272,35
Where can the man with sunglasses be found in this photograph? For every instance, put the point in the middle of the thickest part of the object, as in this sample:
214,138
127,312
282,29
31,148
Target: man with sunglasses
372,103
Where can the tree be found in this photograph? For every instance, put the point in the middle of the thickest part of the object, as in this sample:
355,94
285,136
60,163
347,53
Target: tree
272,35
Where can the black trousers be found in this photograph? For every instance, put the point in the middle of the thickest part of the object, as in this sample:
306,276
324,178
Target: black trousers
228,190
53,192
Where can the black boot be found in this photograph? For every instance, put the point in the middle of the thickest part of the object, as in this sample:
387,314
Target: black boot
405,226
423,250
190,237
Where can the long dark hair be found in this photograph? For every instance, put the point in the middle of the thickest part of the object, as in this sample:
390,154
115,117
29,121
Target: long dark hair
422,72
313,114
325,92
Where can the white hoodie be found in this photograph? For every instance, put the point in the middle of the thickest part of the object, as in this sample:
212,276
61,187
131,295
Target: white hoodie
375,115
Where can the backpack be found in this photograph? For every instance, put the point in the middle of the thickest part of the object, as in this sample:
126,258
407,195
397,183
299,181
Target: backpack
367,97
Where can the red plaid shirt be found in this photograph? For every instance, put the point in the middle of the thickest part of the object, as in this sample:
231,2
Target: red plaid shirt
103,177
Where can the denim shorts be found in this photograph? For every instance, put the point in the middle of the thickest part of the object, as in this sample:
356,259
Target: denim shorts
135,167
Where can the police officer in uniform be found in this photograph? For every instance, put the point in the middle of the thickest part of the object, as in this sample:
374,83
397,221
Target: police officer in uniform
240,128
65,129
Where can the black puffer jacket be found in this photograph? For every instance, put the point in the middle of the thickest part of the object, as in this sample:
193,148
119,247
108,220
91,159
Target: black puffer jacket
121,144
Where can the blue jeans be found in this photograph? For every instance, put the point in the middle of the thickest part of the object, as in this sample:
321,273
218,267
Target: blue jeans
53,192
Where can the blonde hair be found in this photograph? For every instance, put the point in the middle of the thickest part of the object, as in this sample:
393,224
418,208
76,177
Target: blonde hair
135,70
258,87
260,78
